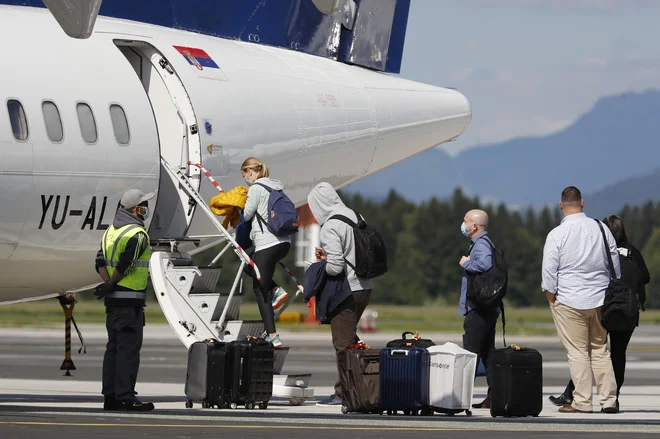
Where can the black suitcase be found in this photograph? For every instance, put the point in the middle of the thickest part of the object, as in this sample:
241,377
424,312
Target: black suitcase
228,374
404,380
206,374
516,382
414,342
359,375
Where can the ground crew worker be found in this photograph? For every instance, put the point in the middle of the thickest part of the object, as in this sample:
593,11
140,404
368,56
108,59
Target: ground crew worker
122,263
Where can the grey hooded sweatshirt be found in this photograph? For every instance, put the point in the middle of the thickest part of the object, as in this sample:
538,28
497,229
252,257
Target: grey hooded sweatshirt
257,204
337,238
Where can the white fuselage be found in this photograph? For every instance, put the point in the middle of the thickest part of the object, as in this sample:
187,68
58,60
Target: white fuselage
310,119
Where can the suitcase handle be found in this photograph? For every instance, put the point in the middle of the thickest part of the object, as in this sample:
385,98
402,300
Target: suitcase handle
399,352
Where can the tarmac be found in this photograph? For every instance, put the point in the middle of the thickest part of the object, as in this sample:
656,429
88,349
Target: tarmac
36,399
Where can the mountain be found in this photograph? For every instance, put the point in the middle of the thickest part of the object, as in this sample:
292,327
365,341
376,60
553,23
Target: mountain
634,191
615,141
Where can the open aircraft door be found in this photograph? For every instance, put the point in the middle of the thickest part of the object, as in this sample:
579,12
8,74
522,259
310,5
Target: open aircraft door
178,135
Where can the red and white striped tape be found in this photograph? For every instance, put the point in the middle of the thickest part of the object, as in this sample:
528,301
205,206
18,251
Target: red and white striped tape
208,175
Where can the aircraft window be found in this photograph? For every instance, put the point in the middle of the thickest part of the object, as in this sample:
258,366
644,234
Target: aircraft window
19,124
53,121
87,123
120,124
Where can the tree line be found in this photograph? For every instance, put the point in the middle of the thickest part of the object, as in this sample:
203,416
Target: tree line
425,244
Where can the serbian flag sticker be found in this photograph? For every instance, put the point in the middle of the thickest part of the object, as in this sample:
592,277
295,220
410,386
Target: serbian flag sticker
201,62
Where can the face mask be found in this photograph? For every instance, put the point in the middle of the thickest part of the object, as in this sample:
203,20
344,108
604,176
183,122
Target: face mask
464,230
249,181
145,215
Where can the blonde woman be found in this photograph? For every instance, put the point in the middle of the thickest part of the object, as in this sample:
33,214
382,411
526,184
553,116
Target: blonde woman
269,249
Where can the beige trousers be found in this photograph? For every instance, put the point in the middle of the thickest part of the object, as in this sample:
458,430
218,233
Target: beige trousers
584,339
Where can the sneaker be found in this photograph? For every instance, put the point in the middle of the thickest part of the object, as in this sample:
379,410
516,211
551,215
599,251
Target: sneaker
110,403
275,341
333,399
134,406
279,297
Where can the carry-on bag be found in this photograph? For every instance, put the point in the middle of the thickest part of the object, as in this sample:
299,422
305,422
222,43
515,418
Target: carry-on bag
516,382
359,375
451,379
404,380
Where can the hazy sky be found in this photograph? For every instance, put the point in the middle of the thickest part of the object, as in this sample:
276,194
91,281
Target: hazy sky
531,67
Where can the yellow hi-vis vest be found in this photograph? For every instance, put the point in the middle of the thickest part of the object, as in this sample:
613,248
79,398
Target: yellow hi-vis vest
136,277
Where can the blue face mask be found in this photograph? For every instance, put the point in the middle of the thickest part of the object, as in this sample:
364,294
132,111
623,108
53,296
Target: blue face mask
146,213
464,230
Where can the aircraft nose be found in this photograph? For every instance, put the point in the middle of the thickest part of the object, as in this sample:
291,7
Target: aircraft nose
413,118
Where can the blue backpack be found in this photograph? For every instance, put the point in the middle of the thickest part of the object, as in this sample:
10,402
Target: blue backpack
282,214
242,236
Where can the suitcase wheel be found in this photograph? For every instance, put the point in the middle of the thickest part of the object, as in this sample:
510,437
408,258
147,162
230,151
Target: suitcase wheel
406,412
233,406
468,412
206,405
249,405
189,404
296,401
427,412
391,412
263,405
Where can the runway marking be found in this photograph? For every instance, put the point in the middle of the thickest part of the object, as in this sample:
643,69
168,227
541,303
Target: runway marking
299,427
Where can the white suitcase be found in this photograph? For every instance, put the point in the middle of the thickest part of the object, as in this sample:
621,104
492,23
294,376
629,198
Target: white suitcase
451,378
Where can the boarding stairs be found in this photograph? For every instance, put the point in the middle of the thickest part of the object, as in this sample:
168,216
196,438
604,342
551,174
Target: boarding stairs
196,310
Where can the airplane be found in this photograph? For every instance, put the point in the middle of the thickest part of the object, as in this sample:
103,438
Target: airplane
98,103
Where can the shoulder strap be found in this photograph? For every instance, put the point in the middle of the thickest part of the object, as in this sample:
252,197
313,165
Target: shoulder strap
607,251
343,219
265,187
492,246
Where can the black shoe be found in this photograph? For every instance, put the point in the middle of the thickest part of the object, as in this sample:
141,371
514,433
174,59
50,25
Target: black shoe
135,406
485,404
610,410
561,400
110,403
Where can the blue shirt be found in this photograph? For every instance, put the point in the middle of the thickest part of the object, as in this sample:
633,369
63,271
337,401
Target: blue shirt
481,260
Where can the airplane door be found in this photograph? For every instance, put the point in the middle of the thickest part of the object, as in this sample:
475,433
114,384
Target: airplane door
177,133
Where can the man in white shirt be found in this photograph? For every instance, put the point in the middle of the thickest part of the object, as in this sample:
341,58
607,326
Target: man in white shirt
575,277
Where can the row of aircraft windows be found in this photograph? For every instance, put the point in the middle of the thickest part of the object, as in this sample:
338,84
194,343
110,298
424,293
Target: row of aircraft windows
53,121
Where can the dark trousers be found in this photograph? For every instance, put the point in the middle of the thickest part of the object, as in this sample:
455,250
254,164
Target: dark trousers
343,324
618,346
266,260
121,361
479,337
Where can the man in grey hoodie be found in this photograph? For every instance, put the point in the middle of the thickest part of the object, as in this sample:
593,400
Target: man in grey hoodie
338,247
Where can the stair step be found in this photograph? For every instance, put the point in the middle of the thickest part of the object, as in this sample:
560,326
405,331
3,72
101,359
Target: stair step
233,313
207,282
241,329
280,358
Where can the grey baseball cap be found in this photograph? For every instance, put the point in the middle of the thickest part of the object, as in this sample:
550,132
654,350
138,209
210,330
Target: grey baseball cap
134,197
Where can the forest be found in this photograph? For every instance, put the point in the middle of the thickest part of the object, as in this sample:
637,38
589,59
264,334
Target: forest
425,244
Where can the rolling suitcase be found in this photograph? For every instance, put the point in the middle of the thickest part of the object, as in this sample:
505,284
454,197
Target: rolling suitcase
516,382
205,377
404,380
451,380
228,374
359,375
251,362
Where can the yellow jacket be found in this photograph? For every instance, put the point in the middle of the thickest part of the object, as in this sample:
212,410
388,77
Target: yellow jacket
227,204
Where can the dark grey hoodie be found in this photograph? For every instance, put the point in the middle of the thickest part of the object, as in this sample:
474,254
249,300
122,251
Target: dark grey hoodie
337,238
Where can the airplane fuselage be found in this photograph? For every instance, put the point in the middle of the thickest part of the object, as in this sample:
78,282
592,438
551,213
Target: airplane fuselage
82,121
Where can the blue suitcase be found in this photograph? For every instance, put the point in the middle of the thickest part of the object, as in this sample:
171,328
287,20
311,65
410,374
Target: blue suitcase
404,380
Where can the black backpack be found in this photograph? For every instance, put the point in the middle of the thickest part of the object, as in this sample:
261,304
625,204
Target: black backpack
486,290
620,310
370,252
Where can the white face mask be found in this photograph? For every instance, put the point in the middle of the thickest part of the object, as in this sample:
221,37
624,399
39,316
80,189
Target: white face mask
249,181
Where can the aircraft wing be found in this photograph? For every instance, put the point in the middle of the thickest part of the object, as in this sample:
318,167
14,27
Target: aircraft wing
368,33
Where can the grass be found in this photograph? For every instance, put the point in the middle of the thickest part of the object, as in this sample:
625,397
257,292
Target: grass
436,318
